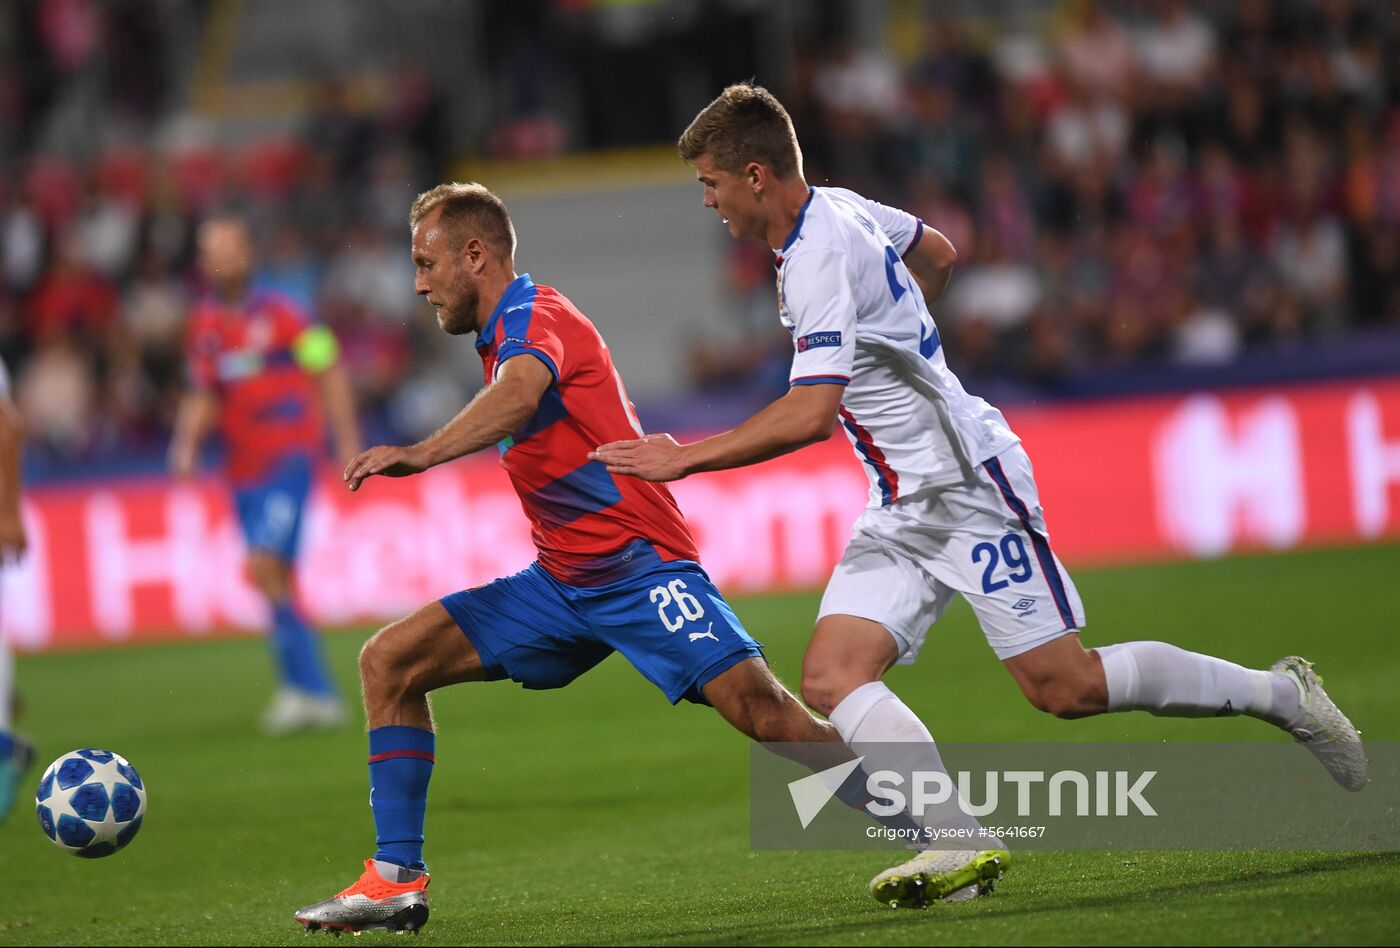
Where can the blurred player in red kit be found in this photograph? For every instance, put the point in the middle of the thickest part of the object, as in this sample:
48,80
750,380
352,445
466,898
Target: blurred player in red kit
262,371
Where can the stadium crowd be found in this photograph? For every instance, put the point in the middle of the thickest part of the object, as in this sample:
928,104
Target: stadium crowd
1171,184
1126,185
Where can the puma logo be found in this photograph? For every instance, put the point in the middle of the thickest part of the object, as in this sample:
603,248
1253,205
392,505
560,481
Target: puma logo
707,634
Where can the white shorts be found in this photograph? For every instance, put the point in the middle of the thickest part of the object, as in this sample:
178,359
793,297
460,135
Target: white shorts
985,539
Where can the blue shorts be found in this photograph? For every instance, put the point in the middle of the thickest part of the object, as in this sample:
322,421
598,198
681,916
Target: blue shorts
270,509
669,621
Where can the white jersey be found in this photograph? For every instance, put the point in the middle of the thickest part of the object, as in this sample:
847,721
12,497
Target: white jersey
858,319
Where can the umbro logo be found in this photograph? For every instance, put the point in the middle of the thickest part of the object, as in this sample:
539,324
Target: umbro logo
1023,604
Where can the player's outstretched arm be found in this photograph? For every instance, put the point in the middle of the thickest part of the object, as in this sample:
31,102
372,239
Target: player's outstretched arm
497,411
339,400
196,415
317,351
805,415
931,261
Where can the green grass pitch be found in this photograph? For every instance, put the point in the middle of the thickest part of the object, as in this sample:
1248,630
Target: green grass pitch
600,815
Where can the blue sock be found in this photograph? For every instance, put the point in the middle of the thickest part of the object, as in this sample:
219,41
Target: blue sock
400,765
7,745
298,651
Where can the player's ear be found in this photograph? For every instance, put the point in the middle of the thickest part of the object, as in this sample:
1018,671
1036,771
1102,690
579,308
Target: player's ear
474,253
756,176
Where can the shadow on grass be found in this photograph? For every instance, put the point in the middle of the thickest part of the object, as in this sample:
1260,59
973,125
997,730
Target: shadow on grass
998,908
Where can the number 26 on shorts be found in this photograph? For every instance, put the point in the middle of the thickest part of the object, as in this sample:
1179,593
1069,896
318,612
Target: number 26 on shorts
688,607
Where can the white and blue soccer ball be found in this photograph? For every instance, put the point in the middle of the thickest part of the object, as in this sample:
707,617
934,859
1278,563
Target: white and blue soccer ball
90,803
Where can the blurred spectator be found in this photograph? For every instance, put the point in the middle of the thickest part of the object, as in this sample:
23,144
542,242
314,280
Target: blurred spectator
105,231
1310,254
415,117
58,396
1004,214
71,299
861,97
1001,291
155,305
1375,275
1176,50
1202,334
154,318
1091,128
342,130
1098,53
22,240
369,275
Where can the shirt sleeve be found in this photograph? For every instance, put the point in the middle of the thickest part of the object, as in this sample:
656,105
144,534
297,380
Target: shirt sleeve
903,229
819,301
310,343
541,339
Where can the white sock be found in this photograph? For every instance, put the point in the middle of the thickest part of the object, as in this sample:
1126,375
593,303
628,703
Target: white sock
393,872
1171,682
7,684
871,718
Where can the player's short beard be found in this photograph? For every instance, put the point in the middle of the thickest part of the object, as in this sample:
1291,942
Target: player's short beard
459,318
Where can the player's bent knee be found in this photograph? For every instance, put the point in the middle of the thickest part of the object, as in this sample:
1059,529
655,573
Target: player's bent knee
825,687
845,653
376,661
824,693
1065,699
391,661
416,655
1061,678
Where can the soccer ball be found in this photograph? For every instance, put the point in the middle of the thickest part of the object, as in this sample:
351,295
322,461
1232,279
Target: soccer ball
90,803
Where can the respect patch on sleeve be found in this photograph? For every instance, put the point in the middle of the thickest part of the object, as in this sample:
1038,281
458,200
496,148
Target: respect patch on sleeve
819,340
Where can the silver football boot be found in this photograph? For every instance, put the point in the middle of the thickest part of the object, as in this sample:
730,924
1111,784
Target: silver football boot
372,902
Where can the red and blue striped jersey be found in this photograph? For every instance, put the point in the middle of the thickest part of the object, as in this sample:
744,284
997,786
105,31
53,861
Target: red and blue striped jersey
590,527
268,404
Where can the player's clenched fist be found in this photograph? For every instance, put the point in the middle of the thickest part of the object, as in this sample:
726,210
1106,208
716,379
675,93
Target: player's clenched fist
385,459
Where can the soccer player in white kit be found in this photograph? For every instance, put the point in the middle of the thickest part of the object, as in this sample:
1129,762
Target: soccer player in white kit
953,503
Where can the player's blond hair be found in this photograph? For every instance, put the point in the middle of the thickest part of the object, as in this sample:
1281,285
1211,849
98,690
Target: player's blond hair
746,123
468,210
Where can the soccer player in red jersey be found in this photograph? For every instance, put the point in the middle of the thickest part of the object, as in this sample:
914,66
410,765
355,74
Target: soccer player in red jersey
617,568
261,369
